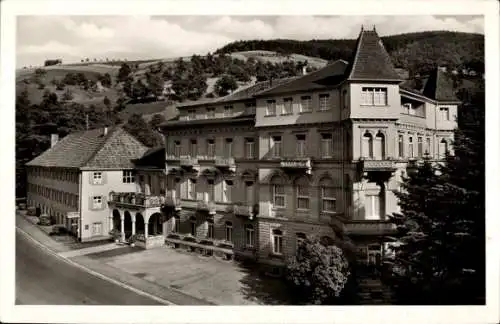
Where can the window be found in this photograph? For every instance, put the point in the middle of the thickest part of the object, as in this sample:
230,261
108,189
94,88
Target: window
401,146
211,112
302,186
96,229
428,146
227,189
128,176
229,231
192,223
228,147
97,202
210,228
191,114
97,178
324,102
326,145
305,104
210,190
299,238
249,236
228,111
249,148
278,192
193,149
301,145
443,148
410,147
192,189
210,148
367,149
407,108
420,147
177,224
177,148
271,108
445,113
372,207
276,146
374,96
344,99
277,241
327,192
287,106
249,192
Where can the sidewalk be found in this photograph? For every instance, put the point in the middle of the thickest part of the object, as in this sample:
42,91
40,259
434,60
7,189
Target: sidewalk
174,296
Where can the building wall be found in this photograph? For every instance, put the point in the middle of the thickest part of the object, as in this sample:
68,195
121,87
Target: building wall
54,190
358,110
239,108
112,181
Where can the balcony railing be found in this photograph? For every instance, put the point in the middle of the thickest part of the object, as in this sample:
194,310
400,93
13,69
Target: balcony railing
369,227
173,201
368,165
172,157
139,200
221,162
246,210
208,206
297,164
188,161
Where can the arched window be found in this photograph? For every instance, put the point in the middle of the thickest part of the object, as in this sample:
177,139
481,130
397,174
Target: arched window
229,231
443,148
379,149
277,241
367,149
249,235
302,192
192,221
278,192
327,195
411,151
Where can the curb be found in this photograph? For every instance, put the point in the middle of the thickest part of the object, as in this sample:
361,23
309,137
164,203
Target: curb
92,272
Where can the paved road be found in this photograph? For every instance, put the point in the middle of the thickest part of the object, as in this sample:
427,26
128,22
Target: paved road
44,279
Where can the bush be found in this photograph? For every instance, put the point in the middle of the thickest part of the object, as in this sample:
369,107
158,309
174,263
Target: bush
318,272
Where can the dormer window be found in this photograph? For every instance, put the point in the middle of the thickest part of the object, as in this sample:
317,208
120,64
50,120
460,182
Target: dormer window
191,114
374,96
271,108
445,113
228,111
211,112
407,108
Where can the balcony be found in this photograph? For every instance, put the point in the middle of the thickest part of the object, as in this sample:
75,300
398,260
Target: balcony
369,227
207,206
225,163
173,201
188,162
172,158
377,168
136,200
297,164
246,210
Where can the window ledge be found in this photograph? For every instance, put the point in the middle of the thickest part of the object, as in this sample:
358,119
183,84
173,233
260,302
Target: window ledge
273,115
305,112
287,114
276,255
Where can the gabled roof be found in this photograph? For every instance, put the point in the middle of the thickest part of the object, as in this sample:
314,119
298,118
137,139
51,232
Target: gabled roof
371,60
436,86
93,149
331,74
239,95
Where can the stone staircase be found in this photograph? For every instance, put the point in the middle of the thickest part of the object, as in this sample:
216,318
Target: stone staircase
372,291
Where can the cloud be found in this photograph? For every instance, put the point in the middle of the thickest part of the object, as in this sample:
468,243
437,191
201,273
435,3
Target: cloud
141,37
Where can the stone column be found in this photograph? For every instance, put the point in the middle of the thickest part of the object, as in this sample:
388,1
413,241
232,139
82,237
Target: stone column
133,226
145,229
122,219
111,224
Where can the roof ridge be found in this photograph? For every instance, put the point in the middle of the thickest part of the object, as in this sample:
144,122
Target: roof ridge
108,136
355,59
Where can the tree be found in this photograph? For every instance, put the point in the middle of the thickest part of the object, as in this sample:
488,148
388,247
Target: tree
124,72
224,85
155,84
441,223
67,95
318,271
107,102
105,80
156,120
137,127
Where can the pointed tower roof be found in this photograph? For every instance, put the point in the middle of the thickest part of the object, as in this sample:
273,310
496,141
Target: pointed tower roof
371,61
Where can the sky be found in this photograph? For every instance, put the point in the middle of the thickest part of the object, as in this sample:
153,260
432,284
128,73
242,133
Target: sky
73,38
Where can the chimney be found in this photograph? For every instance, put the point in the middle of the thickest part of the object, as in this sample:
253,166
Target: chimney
105,130
54,138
